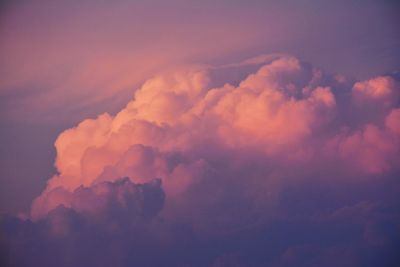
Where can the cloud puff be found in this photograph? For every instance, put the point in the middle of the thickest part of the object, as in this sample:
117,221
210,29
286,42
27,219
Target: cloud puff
106,198
106,224
288,166
381,89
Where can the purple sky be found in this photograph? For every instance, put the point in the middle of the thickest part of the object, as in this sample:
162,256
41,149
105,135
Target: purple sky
273,128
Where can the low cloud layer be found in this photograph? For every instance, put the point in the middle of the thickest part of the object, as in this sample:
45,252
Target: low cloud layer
289,166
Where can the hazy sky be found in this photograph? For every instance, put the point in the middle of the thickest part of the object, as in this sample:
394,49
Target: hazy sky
281,96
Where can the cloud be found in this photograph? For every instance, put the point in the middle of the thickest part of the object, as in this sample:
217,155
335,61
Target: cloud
285,167
382,89
286,106
109,223
106,198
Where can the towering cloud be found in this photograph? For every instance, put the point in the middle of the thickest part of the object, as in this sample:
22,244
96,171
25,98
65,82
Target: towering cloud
289,166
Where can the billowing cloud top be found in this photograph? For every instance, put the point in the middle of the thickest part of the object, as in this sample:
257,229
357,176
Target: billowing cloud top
288,167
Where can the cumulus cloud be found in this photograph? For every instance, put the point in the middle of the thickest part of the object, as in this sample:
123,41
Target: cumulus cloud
286,106
286,167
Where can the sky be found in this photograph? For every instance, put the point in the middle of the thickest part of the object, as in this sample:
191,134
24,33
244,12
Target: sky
199,133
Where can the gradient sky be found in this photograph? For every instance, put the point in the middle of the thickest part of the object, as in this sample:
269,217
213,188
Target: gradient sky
262,120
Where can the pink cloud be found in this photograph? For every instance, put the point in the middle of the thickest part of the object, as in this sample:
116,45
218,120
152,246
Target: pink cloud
286,158
285,111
